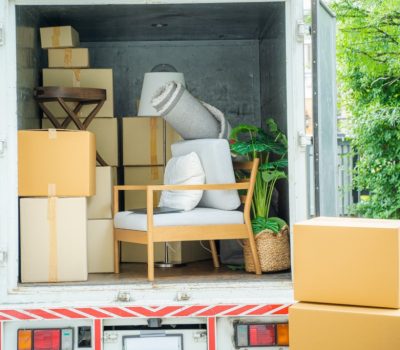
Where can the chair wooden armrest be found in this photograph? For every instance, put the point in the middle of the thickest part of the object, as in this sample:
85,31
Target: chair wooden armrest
207,187
118,188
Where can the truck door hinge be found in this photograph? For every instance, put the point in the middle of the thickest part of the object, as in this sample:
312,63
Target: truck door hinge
302,29
3,258
3,146
2,34
304,140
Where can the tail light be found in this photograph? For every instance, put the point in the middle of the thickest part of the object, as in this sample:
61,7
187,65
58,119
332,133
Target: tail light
45,339
261,334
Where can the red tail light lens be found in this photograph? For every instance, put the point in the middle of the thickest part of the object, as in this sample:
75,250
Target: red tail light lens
47,339
262,335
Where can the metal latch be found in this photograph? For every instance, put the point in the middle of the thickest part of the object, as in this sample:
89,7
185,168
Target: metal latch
124,296
3,146
302,29
304,140
3,258
2,40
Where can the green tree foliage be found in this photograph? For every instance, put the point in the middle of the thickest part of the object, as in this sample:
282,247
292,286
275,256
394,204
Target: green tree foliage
368,55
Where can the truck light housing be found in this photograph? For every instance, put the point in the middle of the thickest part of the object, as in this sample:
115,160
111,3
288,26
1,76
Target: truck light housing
24,339
261,334
45,339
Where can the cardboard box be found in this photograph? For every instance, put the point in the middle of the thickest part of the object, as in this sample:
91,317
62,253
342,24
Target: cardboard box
53,239
143,141
100,246
100,205
106,131
179,252
59,37
56,163
85,78
347,261
171,137
68,58
332,327
141,176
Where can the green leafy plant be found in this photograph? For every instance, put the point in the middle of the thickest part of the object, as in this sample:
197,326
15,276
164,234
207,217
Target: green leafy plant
270,146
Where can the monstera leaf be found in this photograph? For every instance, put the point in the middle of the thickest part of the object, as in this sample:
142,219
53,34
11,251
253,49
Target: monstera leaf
273,175
274,224
278,164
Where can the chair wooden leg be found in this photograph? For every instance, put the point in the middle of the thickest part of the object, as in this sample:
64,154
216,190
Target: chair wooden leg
254,252
150,261
214,254
116,256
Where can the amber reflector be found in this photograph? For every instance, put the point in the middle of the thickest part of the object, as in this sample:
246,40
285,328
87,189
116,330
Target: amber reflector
282,334
24,339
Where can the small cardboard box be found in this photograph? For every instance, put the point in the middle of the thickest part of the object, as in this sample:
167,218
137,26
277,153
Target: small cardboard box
53,239
59,37
333,327
100,205
142,176
68,58
347,261
171,137
106,131
100,246
143,141
56,163
84,78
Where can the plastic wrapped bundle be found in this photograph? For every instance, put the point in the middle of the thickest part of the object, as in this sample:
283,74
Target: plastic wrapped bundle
191,118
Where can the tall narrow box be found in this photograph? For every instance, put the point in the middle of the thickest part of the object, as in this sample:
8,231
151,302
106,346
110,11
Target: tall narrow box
68,58
100,246
56,163
347,261
143,141
333,327
59,37
53,239
100,205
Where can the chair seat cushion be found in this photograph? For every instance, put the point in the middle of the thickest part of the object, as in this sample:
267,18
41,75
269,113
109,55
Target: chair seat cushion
199,216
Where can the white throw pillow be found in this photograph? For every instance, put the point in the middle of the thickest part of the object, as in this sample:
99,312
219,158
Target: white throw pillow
183,170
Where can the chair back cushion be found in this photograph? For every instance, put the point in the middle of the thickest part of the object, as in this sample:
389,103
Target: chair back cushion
215,157
183,170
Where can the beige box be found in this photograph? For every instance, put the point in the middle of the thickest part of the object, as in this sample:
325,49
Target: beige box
179,252
141,176
53,239
85,78
347,261
56,163
100,246
143,141
171,137
332,327
59,37
68,58
106,131
100,205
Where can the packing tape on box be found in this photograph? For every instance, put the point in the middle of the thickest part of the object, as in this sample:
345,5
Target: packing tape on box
55,36
52,134
67,57
52,221
153,149
77,74
51,190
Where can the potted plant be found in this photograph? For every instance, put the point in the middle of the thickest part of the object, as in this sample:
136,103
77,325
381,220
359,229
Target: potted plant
271,233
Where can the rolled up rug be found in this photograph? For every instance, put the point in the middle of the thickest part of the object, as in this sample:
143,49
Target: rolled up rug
190,117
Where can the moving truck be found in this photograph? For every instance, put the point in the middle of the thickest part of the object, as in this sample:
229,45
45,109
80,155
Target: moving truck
246,57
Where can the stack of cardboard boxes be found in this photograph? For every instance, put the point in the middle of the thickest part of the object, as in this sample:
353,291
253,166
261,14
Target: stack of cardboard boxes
146,150
56,173
347,277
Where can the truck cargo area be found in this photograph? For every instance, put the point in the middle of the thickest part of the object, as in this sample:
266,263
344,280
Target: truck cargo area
233,56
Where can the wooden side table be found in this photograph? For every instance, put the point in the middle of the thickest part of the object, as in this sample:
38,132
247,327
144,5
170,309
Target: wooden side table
80,96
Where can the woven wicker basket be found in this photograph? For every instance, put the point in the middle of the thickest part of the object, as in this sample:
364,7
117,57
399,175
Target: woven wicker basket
273,251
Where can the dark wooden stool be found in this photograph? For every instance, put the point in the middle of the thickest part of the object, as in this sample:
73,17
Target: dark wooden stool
81,96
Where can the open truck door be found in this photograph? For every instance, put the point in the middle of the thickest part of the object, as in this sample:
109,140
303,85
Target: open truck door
324,109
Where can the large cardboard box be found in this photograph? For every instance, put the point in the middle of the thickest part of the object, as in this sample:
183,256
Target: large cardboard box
56,163
106,131
53,239
100,205
141,176
59,37
100,246
68,58
347,261
171,137
332,327
85,78
143,141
